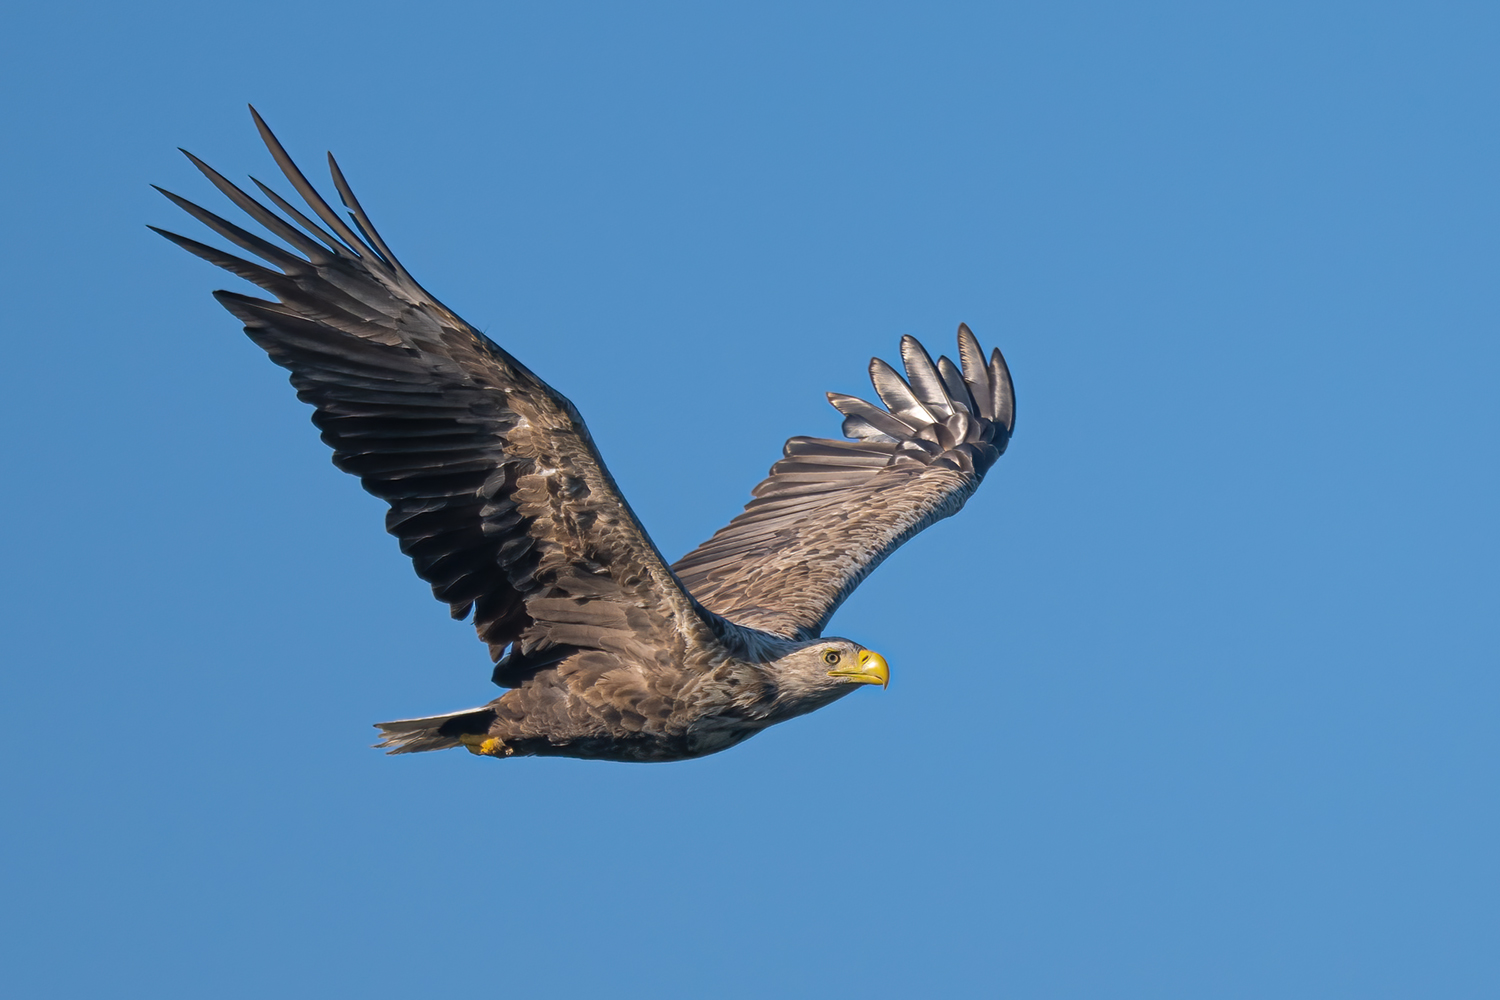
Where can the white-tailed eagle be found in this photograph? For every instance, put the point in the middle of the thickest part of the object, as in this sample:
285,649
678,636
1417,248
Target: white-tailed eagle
501,500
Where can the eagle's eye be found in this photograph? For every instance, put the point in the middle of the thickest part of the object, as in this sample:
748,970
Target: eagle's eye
831,657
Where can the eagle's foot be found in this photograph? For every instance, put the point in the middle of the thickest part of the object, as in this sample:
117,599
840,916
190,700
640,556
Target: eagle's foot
485,746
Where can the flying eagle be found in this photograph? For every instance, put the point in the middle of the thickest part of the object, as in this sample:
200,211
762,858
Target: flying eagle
505,507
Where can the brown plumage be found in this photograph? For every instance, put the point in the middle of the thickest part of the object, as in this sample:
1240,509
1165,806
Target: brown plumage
501,500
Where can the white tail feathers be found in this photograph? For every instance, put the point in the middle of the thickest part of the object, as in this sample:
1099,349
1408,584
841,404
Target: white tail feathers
435,732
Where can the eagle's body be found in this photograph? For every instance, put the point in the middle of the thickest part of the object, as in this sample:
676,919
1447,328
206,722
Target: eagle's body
595,705
504,505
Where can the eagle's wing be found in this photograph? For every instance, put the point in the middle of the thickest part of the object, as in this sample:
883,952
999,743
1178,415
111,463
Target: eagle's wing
830,511
496,490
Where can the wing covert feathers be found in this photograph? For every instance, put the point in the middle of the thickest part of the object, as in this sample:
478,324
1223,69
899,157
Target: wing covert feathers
496,491
830,511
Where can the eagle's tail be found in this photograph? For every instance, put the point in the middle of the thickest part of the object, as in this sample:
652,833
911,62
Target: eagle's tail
436,732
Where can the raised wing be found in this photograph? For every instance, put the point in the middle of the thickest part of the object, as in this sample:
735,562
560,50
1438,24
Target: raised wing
496,490
830,511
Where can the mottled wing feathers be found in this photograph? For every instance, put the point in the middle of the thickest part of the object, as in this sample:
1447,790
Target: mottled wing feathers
496,491
831,510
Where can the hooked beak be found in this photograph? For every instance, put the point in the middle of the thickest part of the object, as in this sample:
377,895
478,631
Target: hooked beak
872,669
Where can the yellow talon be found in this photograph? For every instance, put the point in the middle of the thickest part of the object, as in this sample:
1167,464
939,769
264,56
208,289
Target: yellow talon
482,746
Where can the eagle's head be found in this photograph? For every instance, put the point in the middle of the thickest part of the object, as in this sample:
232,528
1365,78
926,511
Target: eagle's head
822,671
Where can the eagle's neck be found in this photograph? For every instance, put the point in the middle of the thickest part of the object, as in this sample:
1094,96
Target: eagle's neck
754,646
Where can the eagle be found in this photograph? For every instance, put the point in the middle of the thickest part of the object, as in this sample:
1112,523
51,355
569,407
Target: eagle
504,505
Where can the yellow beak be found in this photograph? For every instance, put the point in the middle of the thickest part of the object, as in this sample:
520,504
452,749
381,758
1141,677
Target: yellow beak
872,669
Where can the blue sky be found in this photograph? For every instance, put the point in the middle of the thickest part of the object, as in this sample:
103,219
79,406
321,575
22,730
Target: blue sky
1196,698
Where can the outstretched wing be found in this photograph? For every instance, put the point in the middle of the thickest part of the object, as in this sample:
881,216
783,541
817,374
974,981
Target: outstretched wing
496,490
830,511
